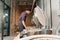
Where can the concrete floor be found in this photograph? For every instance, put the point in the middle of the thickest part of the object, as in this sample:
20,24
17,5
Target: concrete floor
7,38
17,37
39,37
0,36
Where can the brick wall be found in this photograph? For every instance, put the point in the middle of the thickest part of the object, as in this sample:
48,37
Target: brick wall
14,17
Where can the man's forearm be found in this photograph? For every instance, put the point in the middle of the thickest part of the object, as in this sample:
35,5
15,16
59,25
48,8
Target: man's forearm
24,24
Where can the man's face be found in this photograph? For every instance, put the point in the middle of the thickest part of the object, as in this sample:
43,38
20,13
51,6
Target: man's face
28,12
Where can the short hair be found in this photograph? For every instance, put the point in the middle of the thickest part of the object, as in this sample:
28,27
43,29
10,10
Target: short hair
35,4
28,9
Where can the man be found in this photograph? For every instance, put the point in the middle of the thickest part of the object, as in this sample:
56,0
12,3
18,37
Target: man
22,20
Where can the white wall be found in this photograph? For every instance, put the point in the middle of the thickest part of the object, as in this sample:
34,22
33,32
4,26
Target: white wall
55,14
55,17
47,13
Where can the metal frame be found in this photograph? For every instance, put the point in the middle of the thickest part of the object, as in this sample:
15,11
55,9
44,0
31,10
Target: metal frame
3,1
51,13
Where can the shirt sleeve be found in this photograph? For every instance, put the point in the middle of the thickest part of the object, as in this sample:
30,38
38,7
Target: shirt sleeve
23,17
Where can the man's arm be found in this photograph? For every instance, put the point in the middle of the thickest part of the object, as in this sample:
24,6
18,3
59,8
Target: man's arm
23,22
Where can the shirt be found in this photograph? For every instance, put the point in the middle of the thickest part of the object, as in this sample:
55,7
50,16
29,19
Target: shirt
22,17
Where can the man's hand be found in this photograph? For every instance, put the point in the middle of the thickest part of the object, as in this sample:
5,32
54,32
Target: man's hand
24,25
26,28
